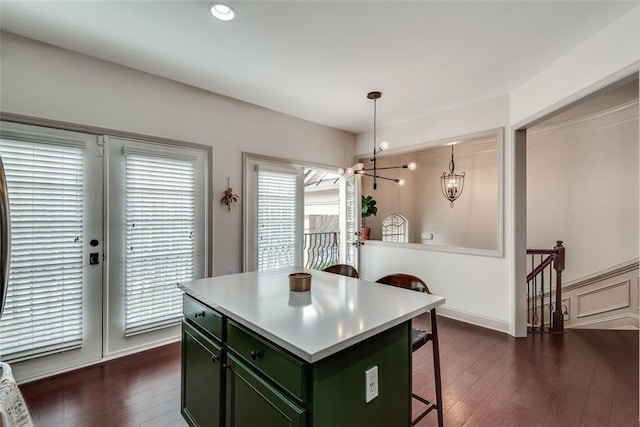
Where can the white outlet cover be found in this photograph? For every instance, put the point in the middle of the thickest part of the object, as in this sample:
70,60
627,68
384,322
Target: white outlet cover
371,384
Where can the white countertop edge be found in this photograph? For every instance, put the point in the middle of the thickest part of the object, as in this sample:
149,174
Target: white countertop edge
314,357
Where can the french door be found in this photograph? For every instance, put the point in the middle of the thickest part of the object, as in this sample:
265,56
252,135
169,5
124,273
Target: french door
274,213
350,220
102,230
156,238
52,317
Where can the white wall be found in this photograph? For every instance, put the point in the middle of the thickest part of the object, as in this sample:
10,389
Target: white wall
46,82
582,188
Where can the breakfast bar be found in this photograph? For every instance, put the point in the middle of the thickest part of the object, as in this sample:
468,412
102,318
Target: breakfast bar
256,353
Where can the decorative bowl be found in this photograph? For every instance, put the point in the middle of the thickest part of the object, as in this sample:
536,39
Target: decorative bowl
299,282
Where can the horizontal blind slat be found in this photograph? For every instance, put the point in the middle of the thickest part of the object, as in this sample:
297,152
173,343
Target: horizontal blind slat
43,313
160,251
276,219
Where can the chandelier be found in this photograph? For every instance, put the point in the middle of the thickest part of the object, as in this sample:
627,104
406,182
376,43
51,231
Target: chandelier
362,169
452,183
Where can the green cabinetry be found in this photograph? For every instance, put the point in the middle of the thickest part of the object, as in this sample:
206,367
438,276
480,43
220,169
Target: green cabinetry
234,377
252,401
202,373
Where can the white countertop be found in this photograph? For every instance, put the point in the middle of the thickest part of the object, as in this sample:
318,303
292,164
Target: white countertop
336,313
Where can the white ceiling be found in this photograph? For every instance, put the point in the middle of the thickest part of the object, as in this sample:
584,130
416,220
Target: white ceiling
317,60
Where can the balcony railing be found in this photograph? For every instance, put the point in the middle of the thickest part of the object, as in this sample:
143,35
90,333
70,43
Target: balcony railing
321,249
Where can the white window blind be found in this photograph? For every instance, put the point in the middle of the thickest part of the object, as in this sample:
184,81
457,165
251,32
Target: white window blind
277,211
43,313
351,214
160,251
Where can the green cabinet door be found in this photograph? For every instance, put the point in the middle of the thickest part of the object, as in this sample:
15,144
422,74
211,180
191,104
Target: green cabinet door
201,401
251,401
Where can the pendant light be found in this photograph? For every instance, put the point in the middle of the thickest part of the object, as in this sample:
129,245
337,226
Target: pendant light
360,169
452,183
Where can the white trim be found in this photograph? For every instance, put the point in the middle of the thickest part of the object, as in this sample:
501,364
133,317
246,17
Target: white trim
601,275
434,248
609,115
633,321
475,319
561,105
499,135
40,137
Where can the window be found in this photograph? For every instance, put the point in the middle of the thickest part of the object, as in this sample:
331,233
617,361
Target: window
394,228
160,251
274,202
44,311
277,211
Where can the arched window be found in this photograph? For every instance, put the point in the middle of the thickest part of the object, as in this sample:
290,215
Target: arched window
395,228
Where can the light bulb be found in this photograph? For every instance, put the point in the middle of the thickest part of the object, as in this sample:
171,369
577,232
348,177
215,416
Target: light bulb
349,171
401,181
341,171
222,11
412,166
384,145
358,166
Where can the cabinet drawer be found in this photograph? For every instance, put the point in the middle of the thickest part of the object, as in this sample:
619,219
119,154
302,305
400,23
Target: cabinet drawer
251,401
198,314
278,366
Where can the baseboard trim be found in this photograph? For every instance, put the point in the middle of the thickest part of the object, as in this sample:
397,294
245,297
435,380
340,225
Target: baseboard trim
620,321
475,319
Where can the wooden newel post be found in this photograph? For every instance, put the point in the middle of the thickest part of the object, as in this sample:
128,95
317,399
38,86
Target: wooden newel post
558,265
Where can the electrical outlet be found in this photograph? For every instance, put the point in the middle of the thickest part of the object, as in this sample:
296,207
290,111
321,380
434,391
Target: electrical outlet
371,384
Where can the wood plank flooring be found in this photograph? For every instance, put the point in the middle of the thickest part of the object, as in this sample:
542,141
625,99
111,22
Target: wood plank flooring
581,378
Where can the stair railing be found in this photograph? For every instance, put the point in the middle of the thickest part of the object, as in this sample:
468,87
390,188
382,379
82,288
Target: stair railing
544,262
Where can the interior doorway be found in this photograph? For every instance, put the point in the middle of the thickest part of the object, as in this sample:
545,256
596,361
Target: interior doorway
576,180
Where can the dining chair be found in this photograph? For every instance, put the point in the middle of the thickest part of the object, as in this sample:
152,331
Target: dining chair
343,269
420,338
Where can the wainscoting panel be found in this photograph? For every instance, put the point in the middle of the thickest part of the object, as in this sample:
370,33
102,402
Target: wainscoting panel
603,299
607,299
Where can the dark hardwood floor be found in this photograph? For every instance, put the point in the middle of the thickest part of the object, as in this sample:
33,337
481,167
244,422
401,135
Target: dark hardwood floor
581,378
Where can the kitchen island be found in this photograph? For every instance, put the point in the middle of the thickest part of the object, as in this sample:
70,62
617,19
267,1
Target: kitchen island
255,353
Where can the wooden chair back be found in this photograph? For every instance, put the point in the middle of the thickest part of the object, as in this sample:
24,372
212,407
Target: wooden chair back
343,269
407,281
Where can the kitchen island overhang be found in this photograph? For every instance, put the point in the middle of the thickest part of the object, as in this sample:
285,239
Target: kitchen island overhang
342,311
310,350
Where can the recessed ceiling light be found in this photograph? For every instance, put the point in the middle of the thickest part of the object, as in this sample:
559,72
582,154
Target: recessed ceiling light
222,11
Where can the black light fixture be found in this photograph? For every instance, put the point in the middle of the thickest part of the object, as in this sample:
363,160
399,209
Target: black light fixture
361,169
452,183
